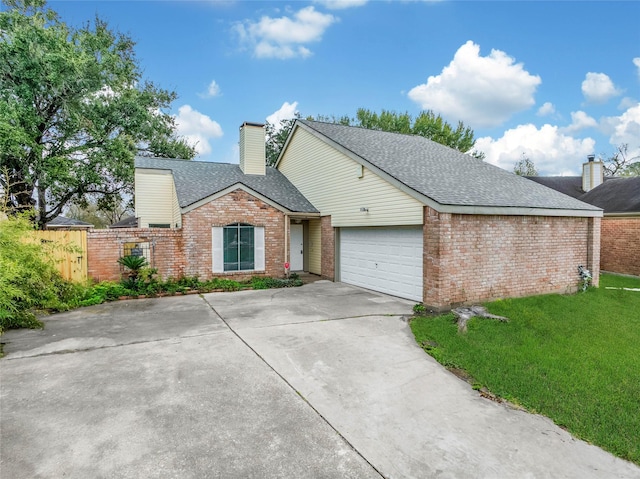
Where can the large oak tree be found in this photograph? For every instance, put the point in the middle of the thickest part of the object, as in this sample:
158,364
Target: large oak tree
74,112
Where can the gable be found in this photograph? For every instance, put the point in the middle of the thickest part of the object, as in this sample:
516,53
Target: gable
339,186
156,202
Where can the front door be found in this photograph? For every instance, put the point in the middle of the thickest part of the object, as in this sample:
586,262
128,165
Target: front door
296,248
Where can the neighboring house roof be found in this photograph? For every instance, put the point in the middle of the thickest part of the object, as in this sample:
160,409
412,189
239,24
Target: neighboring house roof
128,222
569,185
197,180
616,195
63,222
440,173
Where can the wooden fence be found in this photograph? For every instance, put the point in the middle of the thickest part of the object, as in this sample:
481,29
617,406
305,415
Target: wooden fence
71,255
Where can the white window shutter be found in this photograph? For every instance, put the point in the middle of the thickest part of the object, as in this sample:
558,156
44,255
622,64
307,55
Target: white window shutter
258,241
217,249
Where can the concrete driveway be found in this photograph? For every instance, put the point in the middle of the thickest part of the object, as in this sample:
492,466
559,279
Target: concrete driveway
319,381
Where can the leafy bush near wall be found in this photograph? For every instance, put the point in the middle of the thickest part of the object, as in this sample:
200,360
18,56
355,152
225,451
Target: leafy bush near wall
261,282
29,281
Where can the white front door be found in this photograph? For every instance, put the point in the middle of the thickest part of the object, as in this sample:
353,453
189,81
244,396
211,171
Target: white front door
296,248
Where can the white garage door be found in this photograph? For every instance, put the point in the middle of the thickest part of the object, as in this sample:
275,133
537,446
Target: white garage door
388,260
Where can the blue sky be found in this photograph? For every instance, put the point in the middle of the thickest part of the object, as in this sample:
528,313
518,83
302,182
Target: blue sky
553,80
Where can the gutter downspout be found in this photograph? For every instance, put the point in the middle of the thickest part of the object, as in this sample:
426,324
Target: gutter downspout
286,242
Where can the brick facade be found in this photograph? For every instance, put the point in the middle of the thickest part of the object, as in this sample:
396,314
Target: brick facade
187,251
235,207
472,258
328,251
620,249
104,247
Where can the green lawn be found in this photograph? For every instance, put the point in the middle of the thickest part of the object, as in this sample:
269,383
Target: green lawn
574,359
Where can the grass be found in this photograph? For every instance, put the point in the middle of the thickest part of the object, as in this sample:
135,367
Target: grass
574,359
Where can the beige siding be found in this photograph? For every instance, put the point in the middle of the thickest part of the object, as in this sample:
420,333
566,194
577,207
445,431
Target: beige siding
338,186
315,250
155,200
252,150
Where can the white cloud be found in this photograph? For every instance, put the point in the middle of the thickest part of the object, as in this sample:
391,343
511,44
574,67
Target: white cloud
285,112
212,90
598,88
636,62
285,37
579,121
626,103
546,109
624,128
197,128
341,4
553,152
480,91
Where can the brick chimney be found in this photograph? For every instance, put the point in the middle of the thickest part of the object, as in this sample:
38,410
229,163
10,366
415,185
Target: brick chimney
252,149
592,173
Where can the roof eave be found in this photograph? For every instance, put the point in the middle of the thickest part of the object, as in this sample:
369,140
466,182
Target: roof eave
239,185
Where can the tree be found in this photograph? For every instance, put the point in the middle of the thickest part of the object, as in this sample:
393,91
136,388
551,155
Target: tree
426,124
276,135
74,112
525,167
89,212
620,164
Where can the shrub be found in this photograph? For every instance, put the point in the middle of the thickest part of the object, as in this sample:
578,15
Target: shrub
29,280
266,282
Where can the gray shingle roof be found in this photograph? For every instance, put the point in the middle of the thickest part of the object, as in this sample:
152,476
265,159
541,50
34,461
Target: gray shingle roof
196,180
443,174
569,185
616,195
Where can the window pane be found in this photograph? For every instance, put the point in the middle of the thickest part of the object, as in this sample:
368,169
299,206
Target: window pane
246,248
231,249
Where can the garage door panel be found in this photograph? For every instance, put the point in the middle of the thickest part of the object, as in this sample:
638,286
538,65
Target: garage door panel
388,260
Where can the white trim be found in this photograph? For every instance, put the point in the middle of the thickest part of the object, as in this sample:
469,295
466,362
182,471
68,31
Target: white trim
217,249
239,186
258,248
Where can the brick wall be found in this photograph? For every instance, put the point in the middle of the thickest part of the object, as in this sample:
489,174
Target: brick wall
327,254
620,247
235,207
104,247
472,258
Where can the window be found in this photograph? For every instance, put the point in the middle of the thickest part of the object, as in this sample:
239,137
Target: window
238,247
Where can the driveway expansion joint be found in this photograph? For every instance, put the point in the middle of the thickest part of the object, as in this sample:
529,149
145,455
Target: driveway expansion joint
298,393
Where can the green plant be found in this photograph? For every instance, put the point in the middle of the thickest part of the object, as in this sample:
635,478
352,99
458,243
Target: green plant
29,281
419,308
134,265
266,282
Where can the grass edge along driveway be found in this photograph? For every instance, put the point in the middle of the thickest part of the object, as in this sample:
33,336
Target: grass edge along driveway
572,358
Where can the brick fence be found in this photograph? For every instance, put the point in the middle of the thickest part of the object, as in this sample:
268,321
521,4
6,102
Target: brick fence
162,247
620,251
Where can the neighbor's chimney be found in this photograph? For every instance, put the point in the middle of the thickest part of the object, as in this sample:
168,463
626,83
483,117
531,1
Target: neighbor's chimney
592,173
252,149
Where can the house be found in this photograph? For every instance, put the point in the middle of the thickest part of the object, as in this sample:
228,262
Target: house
127,222
407,216
394,213
236,220
619,197
64,223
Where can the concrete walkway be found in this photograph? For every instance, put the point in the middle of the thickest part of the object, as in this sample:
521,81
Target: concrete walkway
319,381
